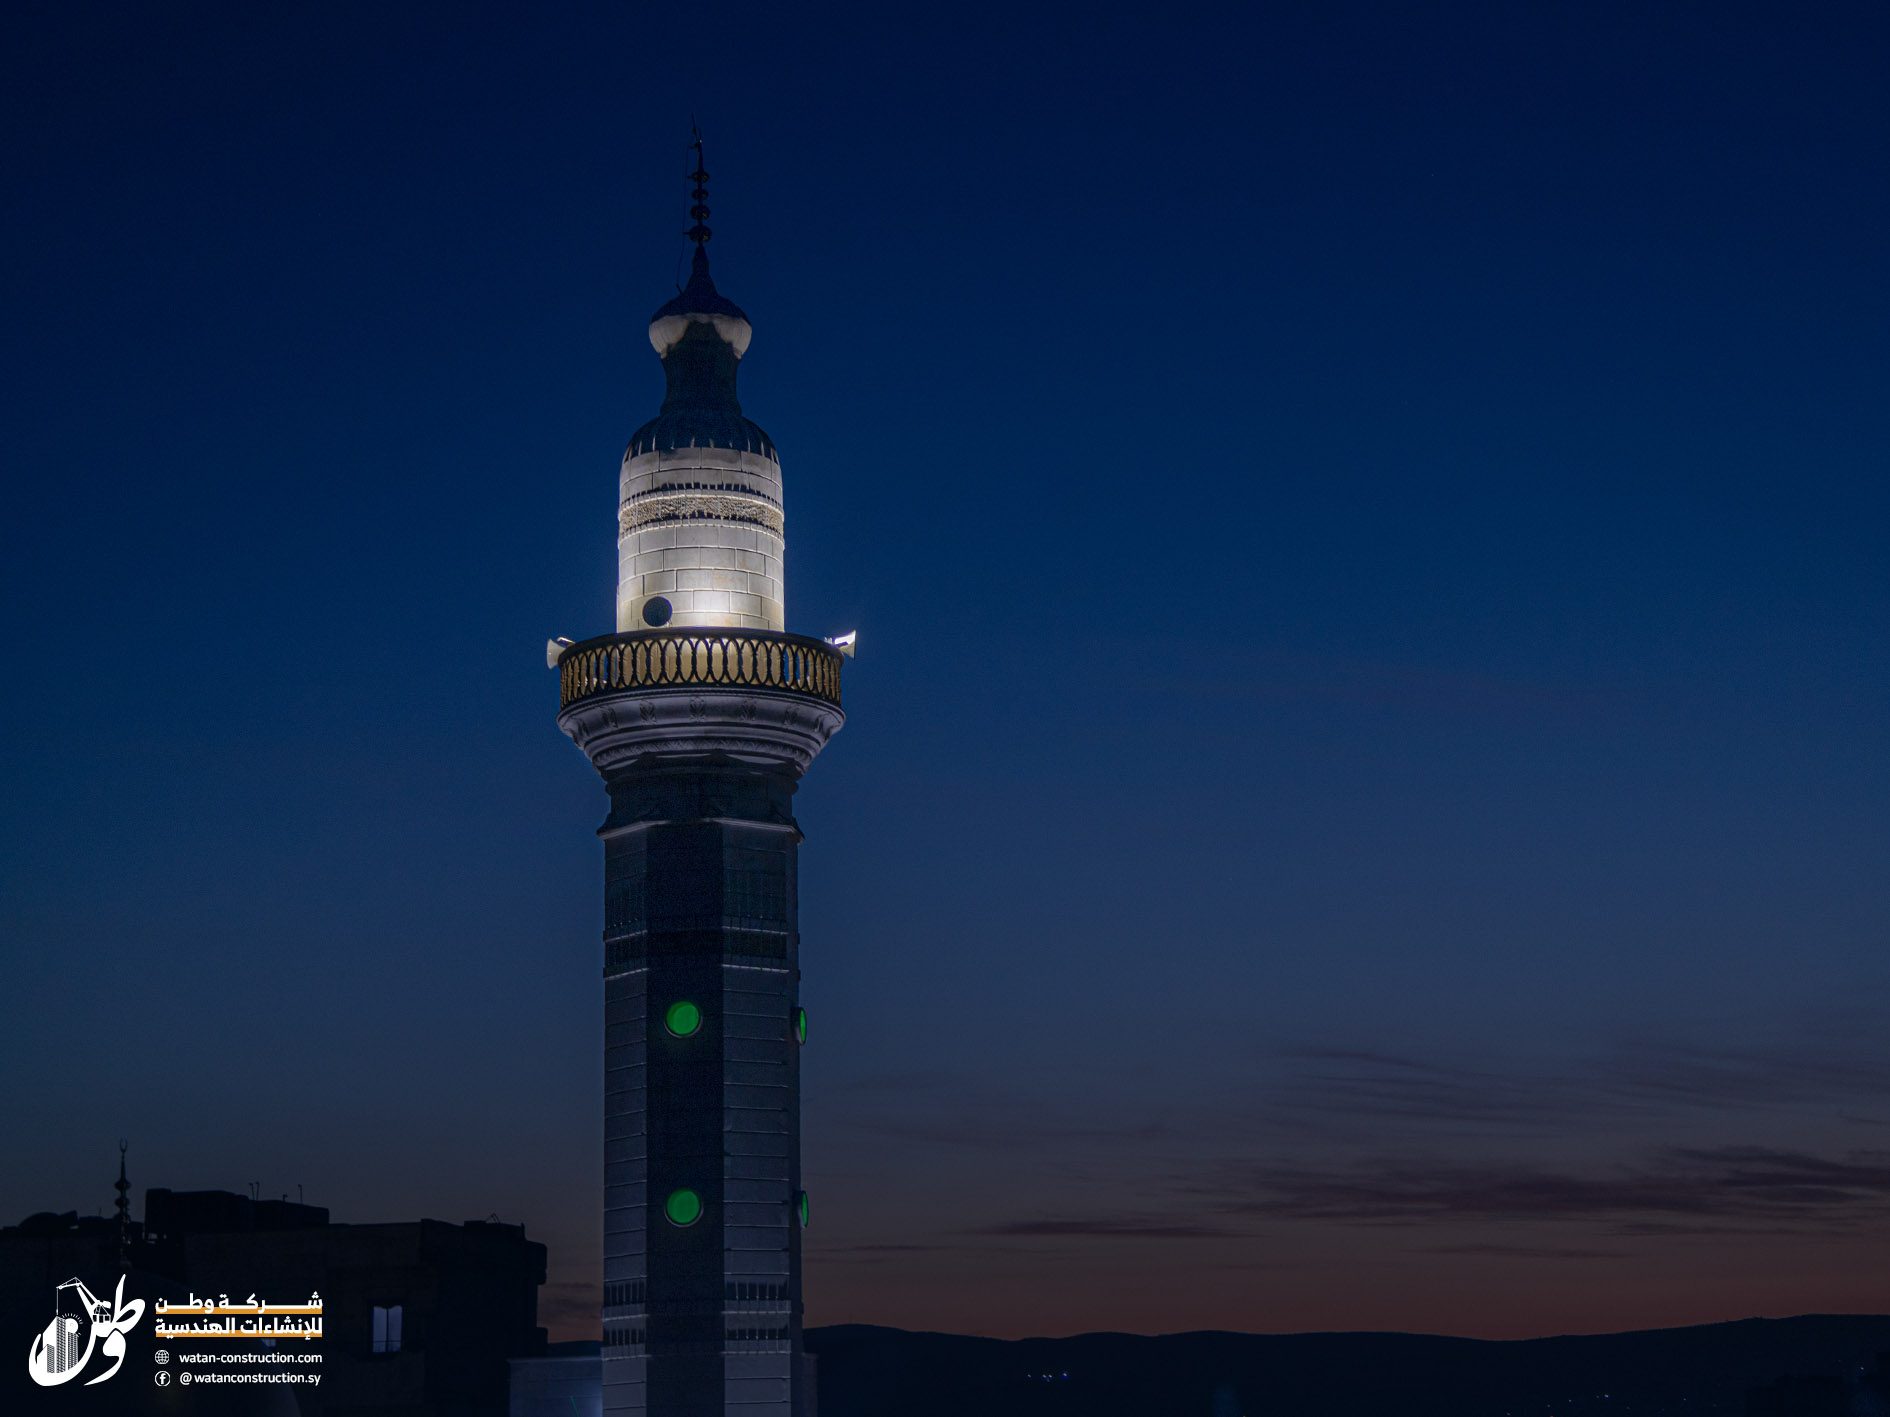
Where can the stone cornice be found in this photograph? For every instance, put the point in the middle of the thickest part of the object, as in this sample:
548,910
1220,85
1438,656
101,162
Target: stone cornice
658,727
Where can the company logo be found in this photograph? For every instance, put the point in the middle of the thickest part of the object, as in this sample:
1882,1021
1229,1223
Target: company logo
81,1322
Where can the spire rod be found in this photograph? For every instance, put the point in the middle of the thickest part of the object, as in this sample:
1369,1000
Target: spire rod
699,199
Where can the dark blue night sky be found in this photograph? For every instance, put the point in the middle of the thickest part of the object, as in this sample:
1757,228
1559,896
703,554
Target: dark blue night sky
1364,797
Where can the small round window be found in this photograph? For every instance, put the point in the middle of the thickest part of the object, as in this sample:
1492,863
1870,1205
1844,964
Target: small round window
684,1207
683,1019
657,610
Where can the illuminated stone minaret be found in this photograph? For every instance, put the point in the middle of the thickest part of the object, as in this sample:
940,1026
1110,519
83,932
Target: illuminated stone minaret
701,713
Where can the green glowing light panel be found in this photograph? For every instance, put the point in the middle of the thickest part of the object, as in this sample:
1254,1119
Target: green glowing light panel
684,1207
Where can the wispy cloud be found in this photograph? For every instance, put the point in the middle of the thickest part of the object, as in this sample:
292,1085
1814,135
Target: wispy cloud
1818,1069
1678,1139
1839,1063
1333,1084
1004,1132
867,1253
1524,1252
1753,1187
1106,1228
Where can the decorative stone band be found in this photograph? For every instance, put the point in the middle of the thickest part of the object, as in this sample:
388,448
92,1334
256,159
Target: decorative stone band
656,508
708,659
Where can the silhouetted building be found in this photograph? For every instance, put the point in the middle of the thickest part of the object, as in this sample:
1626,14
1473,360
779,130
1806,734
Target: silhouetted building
701,713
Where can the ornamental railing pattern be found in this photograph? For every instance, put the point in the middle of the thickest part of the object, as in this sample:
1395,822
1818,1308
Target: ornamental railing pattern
734,659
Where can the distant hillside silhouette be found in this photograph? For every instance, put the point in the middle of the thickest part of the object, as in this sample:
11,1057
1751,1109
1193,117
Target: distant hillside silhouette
881,1372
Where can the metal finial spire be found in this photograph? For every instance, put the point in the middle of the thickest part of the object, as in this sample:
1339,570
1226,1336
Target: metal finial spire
699,208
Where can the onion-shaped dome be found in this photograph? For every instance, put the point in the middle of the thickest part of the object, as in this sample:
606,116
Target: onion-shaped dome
700,336
700,303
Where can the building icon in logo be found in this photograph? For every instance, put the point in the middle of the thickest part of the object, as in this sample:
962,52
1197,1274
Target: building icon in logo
61,1344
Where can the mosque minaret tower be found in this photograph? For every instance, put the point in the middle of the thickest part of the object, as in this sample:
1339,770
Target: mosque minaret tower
701,713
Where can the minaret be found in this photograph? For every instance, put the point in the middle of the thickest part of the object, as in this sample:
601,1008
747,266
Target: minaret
123,1187
701,714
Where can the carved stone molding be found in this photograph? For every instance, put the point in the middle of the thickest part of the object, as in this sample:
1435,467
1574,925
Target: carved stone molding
664,508
662,726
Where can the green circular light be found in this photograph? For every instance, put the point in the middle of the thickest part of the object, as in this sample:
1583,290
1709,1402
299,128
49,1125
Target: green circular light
683,1019
800,1204
800,1025
684,1207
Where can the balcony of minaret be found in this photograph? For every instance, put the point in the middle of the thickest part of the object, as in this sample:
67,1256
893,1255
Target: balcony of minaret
760,696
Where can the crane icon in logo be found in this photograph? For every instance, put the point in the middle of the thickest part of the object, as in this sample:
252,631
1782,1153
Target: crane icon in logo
82,1321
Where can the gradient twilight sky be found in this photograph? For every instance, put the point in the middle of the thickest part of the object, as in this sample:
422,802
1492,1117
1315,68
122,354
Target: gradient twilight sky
1364,800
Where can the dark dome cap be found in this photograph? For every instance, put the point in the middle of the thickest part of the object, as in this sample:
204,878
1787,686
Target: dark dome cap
700,303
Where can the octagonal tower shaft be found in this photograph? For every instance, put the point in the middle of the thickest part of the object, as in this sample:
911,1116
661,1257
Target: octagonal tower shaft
703,1203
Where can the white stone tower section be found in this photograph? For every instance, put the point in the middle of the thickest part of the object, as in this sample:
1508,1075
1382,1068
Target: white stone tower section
700,520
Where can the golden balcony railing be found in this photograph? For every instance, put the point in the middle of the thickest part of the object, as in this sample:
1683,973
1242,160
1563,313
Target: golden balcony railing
699,658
